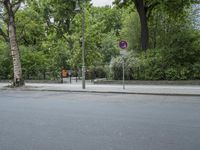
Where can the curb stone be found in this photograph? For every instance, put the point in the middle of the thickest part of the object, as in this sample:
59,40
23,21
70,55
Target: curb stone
96,91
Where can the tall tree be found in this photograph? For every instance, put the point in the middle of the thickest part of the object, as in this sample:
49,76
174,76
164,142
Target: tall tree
145,8
11,7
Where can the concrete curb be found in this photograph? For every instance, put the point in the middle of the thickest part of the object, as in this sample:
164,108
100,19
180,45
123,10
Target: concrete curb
148,82
119,82
108,92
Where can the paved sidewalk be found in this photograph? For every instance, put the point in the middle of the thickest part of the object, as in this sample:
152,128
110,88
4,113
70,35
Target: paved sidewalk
184,90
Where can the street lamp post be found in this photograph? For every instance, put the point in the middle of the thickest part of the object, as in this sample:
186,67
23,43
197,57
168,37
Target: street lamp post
83,41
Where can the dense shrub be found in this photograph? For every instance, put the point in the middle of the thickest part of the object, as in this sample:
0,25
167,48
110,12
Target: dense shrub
116,68
34,63
94,72
5,62
179,61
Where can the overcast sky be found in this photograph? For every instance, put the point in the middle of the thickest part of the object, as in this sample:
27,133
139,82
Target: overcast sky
102,2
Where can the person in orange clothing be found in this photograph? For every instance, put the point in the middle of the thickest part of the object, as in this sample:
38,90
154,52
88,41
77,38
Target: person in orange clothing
64,74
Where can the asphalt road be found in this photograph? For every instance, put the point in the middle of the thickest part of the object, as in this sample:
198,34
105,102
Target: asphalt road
84,121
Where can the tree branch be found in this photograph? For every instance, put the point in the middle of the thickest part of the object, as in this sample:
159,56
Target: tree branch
6,5
15,6
17,3
2,17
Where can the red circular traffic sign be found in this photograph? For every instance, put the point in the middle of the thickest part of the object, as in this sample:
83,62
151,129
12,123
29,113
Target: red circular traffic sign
123,44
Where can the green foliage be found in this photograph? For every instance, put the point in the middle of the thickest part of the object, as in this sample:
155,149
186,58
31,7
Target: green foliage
131,29
159,64
109,18
94,72
116,68
109,47
100,38
34,63
5,62
49,33
30,27
180,61
186,47
152,65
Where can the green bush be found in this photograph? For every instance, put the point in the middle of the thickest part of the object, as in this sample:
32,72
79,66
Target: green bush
94,72
116,68
196,71
172,74
152,64
34,63
174,63
5,62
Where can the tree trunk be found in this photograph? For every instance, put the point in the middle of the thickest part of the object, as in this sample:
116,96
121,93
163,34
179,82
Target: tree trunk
142,11
18,80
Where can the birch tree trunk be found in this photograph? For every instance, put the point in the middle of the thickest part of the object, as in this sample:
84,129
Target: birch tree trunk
18,79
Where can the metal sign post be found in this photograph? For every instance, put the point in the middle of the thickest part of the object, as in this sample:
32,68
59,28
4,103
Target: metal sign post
123,45
123,72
